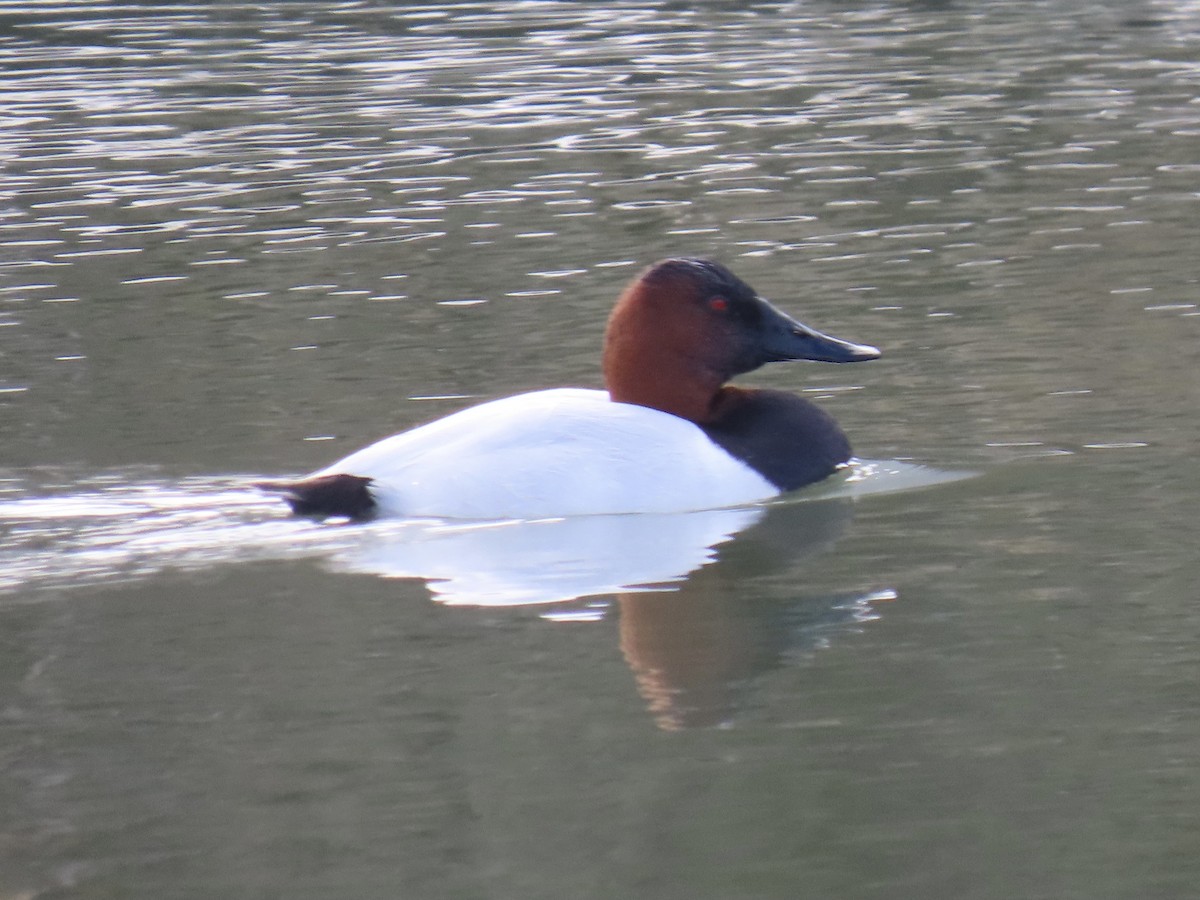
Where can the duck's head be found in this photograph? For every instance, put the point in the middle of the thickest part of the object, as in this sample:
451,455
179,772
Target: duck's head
686,326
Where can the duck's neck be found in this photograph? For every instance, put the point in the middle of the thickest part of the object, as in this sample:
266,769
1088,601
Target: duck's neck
653,371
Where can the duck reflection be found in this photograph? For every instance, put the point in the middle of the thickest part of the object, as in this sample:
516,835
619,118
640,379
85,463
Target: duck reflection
695,651
546,561
701,614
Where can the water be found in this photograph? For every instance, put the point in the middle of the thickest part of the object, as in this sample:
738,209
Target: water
239,241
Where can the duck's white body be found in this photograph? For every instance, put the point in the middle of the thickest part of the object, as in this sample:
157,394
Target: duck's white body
560,452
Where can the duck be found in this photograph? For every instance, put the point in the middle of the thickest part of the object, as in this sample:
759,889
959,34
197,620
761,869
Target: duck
667,434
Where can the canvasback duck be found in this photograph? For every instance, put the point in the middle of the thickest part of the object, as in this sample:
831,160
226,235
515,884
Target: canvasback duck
668,435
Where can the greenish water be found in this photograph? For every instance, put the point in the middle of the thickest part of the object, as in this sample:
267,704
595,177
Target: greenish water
239,241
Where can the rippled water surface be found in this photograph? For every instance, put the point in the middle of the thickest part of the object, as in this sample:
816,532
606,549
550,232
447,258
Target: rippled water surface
238,241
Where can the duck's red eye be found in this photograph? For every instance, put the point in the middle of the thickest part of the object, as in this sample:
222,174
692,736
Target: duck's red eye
718,304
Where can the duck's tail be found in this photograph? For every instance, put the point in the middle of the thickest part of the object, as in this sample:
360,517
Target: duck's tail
326,495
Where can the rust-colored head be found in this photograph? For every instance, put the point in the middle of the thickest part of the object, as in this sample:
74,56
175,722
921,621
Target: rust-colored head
686,326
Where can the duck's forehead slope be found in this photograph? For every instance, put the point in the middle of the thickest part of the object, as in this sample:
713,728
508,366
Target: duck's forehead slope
704,275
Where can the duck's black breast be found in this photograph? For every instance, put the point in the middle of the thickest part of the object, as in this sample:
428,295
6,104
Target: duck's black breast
788,440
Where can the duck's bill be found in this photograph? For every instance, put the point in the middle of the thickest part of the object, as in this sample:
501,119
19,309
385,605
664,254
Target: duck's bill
809,344
786,339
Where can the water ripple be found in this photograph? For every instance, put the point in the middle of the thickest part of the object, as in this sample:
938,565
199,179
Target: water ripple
169,161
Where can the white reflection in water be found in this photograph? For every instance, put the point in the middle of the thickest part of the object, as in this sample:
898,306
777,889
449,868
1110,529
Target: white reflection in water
551,560
121,529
